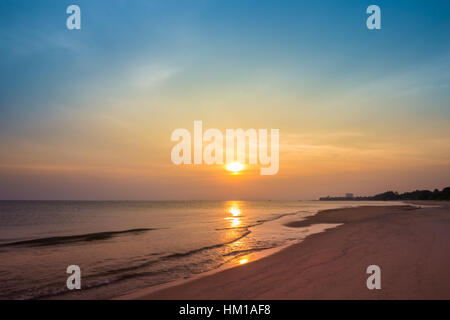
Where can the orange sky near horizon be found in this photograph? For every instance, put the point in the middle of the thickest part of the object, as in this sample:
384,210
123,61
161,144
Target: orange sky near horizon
125,163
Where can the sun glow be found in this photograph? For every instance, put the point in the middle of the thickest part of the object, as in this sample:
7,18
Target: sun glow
235,167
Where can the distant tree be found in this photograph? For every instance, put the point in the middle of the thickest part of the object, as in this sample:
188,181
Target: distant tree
393,195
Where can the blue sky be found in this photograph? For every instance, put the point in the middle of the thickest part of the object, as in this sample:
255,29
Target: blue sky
319,38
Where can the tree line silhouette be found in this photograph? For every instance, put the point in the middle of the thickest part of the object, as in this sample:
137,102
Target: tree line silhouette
394,195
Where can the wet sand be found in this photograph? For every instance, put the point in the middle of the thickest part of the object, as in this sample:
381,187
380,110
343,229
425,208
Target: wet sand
411,245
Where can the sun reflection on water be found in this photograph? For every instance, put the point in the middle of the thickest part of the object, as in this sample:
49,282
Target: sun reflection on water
234,216
234,222
235,213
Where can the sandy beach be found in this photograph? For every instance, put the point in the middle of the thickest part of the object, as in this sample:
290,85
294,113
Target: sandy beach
410,244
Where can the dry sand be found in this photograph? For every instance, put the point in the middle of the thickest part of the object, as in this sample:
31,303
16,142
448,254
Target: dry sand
411,246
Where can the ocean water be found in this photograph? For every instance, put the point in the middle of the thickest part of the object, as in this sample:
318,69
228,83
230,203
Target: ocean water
123,246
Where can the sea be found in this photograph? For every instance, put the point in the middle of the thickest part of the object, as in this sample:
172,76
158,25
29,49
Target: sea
124,246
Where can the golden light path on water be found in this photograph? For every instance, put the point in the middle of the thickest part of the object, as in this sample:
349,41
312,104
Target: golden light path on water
235,212
235,221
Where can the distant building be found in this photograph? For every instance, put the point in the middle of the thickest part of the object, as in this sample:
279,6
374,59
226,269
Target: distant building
349,195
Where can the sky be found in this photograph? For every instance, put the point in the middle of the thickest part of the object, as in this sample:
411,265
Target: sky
88,114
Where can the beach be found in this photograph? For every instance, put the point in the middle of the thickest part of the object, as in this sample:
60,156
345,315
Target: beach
126,246
410,243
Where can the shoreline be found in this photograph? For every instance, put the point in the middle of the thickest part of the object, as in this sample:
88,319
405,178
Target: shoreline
330,264
253,257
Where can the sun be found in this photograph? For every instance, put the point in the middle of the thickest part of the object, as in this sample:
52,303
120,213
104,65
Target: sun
235,167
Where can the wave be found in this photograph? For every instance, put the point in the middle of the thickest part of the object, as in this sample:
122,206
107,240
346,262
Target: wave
260,222
188,253
170,256
40,242
139,269
243,252
244,234
117,275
